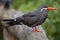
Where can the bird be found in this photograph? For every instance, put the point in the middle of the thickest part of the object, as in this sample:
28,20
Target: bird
6,3
32,19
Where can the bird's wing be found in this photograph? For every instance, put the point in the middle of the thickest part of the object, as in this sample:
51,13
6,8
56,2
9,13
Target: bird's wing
30,14
39,21
30,18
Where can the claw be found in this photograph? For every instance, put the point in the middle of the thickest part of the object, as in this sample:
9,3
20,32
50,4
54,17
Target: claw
35,30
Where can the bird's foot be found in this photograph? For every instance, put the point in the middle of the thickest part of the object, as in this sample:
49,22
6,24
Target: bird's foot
35,30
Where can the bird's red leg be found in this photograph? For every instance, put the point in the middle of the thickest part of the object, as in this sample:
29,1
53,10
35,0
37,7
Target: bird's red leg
35,29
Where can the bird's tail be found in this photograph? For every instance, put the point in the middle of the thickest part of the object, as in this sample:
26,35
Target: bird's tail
17,21
8,20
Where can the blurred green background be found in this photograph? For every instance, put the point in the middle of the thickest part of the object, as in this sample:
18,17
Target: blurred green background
52,24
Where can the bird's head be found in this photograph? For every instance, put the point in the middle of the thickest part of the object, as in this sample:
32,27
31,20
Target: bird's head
3,2
46,7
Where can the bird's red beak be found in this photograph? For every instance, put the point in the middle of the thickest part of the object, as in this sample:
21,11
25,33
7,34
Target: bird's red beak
50,8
